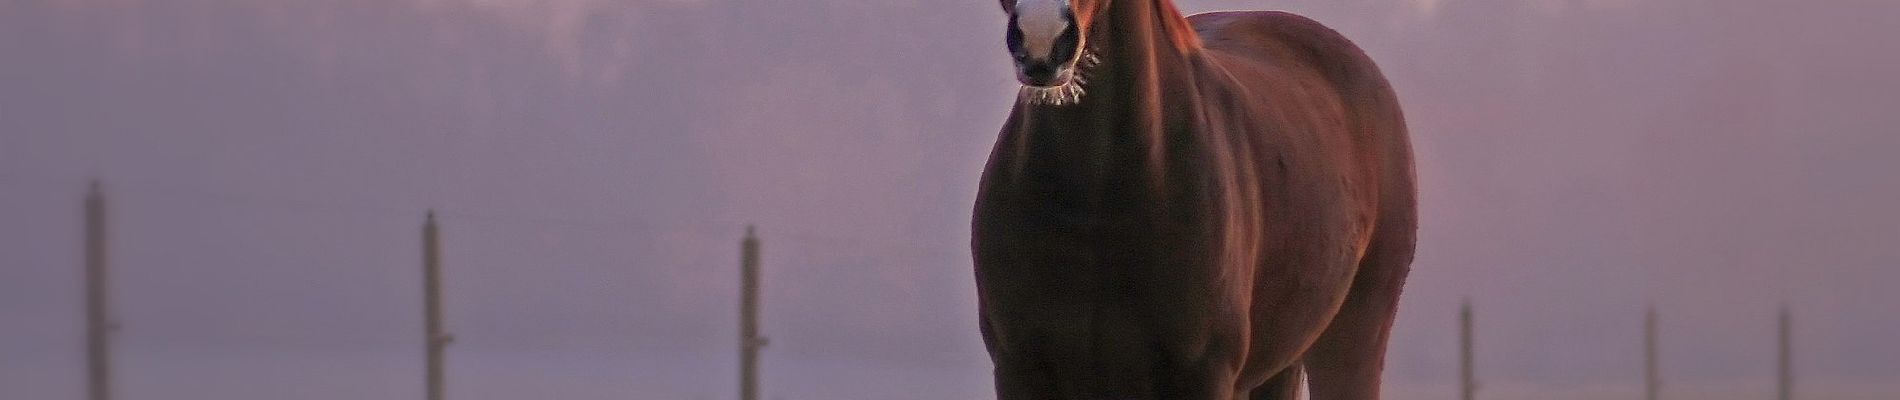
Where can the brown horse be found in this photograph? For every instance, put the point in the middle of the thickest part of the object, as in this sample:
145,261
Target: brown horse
1214,207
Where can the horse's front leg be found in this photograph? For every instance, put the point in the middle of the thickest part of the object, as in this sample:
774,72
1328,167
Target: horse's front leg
1208,382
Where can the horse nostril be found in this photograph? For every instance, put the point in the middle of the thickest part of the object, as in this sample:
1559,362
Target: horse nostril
1038,69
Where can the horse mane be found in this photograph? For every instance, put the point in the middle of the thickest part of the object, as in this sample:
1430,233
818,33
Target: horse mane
1179,30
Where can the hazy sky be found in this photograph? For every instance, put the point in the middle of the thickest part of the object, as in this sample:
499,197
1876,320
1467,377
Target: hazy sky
595,161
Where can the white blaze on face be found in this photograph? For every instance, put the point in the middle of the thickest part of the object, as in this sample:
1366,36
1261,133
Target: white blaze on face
1041,22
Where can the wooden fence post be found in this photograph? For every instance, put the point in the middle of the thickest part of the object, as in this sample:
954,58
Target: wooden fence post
435,339
1652,377
1785,355
1468,382
99,322
750,341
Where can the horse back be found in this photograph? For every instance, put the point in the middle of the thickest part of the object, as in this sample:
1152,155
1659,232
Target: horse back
1281,39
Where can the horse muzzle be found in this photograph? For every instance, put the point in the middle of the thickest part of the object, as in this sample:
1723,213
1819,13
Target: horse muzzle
1045,74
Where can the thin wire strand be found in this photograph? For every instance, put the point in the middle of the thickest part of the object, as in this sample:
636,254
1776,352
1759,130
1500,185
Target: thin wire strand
143,191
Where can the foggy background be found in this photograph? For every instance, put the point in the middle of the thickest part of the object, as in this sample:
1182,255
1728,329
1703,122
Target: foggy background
594,164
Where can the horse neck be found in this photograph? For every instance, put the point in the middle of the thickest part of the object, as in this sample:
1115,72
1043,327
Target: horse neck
1142,81
1118,131
1139,44
1156,24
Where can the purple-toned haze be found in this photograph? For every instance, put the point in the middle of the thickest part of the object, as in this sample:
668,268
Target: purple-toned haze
594,163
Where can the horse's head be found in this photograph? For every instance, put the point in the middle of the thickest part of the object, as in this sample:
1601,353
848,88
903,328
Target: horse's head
1046,39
